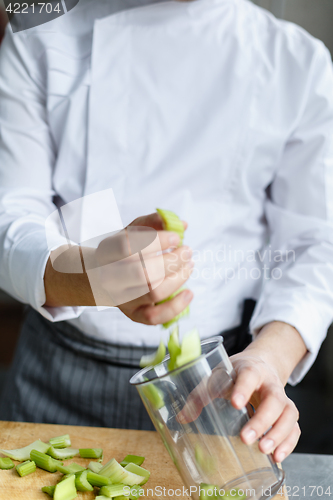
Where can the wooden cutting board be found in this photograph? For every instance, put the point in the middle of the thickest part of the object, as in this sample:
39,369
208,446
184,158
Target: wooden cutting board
115,443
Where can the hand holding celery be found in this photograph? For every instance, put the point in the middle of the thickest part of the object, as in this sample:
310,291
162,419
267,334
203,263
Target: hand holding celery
190,348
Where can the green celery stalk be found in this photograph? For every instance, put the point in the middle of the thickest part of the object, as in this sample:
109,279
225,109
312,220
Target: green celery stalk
25,468
154,395
204,459
119,474
49,490
81,481
6,463
95,467
171,222
132,459
61,441
237,496
44,461
208,491
23,454
67,475
185,312
114,490
139,471
91,452
98,479
190,349
174,348
103,497
154,359
65,490
135,492
70,468
62,453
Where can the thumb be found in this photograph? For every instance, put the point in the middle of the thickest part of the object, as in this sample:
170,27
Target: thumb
152,220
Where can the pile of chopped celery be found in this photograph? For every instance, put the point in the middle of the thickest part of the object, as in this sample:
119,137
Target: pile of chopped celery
112,480
190,349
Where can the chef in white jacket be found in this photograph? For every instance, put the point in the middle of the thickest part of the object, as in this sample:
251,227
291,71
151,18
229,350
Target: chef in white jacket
213,109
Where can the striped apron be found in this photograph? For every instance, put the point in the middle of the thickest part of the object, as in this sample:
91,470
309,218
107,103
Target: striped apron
61,376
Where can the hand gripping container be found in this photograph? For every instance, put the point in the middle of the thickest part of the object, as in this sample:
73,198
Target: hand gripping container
206,448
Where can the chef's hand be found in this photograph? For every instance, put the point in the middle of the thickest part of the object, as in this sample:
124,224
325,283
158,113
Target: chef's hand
126,283
167,272
262,370
276,415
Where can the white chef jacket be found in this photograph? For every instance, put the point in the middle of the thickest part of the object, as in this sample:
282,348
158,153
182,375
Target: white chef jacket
213,109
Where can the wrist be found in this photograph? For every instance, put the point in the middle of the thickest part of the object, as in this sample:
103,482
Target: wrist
281,346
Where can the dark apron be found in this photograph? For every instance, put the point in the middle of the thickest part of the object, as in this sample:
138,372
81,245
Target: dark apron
61,376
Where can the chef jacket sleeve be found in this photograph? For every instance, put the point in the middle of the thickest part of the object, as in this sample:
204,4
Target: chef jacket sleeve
299,212
27,158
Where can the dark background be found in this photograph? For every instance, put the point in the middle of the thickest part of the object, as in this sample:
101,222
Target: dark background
314,395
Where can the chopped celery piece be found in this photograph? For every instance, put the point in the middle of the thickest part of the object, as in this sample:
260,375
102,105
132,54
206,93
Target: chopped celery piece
119,474
70,468
185,312
133,496
62,453
190,348
236,495
49,490
172,222
25,468
174,348
132,459
65,490
135,492
204,459
91,452
114,490
211,491
23,454
97,479
155,358
154,395
208,491
6,464
103,497
44,461
66,476
81,481
140,471
95,467
61,441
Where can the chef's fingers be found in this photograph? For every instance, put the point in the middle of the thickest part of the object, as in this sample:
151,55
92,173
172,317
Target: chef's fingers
271,407
133,242
247,381
167,264
288,445
168,286
153,220
155,315
281,429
